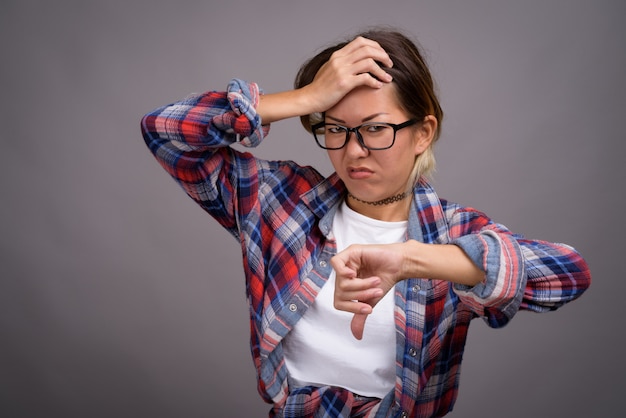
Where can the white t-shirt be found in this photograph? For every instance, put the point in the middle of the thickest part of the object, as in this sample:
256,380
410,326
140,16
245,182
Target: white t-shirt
321,350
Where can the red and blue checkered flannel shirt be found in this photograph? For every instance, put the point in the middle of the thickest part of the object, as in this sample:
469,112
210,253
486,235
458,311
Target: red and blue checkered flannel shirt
281,213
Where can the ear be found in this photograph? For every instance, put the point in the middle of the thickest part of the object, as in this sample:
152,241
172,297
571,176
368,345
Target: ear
425,133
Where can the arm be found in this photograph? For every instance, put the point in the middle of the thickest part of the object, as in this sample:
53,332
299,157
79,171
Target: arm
203,123
382,266
494,272
556,274
365,273
191,139
350,67
520,273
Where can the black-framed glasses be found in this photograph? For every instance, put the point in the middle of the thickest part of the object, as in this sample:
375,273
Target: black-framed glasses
371,135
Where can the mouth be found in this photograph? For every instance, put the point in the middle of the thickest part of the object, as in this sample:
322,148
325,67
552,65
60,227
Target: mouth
359,172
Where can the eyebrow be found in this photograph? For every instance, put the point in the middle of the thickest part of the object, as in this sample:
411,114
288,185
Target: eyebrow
366,119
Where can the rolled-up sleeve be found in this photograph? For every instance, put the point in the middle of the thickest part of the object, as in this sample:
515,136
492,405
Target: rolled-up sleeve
191,140
519,273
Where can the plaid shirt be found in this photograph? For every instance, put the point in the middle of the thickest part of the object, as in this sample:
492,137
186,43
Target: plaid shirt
282,214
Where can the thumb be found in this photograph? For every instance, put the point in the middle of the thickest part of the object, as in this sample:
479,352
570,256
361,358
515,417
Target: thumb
358,325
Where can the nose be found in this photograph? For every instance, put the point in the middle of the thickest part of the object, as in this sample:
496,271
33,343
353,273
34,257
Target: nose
355,146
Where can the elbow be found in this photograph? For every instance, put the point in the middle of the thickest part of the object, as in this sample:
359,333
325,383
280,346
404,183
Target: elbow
582,276
576,280
147,121
548,292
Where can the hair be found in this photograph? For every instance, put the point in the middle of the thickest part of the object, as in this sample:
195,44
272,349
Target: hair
414,86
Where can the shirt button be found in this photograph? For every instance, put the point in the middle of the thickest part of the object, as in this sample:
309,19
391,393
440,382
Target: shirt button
416,288
412,352
404,414
323,263
293,307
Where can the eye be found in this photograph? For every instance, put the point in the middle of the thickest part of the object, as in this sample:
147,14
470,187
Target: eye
376,128
334,129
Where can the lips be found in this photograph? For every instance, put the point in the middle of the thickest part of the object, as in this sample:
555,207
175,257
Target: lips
359,172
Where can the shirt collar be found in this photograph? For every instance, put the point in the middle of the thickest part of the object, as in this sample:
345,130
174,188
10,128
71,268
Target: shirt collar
323,200
427,221
328,193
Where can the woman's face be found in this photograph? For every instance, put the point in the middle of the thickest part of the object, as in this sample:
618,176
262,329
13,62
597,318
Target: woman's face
378,174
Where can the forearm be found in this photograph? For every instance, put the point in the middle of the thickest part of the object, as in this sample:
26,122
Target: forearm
440,262
288,104
210,120
355,65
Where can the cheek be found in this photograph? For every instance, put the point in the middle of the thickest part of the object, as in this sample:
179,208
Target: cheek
402,155
335,158
399,164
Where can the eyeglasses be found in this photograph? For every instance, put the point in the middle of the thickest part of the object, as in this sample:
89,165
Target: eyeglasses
371,135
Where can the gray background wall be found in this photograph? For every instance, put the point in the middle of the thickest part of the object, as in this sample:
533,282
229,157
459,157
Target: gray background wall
119,297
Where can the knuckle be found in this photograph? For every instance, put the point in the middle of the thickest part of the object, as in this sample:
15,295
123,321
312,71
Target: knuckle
341,285
342,84
334,56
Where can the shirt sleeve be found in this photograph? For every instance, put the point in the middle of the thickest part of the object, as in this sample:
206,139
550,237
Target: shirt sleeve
519,273
191,139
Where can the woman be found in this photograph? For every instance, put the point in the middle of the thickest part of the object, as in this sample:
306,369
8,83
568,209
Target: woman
361,285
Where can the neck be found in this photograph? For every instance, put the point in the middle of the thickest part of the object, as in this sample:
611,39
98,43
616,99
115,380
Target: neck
382,202
392,208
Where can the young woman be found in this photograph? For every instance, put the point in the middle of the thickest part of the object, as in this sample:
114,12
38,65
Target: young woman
361,285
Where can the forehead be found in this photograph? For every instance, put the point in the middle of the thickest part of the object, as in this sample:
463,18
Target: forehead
363,102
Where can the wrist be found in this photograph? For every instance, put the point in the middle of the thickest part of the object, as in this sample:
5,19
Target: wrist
284,105
411,260
440,262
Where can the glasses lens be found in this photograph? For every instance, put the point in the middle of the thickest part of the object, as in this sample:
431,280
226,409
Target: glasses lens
377,135
374,135
330,136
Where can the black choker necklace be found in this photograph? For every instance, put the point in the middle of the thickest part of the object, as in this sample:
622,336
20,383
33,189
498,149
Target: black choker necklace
386,201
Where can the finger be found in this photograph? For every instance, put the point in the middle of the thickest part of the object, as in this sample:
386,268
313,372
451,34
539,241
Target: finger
367,79
353,306
369,48
356,44
358,302
342,271
367,72
369,65
339,263
376,53
346,299
346,284
364,71
364,59
367,60
357,325
340,260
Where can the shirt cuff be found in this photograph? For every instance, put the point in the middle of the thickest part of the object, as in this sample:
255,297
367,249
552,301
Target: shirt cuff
475,246
242,120
498,297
